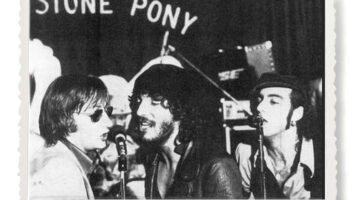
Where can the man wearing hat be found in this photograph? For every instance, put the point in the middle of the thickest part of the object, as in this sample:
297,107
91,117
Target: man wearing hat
173,124
290,163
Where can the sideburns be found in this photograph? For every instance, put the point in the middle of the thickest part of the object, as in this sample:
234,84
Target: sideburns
289,115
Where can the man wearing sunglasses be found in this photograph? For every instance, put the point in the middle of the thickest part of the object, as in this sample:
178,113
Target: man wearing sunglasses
74,119
175,126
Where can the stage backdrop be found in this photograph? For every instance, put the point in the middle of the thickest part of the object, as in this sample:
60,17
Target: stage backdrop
119,36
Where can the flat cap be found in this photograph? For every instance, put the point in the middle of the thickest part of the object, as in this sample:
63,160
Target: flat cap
273,79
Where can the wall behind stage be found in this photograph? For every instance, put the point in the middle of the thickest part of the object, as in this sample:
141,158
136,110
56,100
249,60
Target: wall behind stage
120,36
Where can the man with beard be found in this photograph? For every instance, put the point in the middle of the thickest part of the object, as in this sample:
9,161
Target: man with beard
293,167
173,124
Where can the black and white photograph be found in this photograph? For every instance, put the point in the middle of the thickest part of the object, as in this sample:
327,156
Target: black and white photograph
180,99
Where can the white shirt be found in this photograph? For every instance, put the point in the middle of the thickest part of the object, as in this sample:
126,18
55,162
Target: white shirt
294,185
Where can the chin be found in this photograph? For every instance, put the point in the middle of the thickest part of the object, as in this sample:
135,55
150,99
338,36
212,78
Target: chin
148,134
101,145
149,139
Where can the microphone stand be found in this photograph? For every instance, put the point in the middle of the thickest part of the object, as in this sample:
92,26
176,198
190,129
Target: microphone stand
122,167
120,140
259,123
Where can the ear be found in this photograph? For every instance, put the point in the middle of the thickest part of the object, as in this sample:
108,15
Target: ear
297,114
75,116
71,123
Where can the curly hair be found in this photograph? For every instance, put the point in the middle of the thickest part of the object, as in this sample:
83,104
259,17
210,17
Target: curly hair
183,94
64,96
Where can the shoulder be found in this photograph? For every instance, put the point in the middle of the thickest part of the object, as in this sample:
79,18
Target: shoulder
243,153
221,178
53,156
243,149
221,166
51,165
55,173
222,160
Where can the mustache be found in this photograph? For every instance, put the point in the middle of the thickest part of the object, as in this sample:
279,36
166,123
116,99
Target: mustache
145,120
255,120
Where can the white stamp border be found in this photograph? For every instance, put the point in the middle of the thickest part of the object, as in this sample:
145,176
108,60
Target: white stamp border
329,86
330,99
24,95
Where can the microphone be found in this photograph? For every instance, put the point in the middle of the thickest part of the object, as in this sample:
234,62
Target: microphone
255,121
114,130
120,140
121,147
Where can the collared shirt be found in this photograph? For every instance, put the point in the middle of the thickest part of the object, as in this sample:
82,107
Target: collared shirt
306,156
85,162
293,187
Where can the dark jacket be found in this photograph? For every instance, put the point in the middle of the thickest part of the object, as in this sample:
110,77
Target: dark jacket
198,176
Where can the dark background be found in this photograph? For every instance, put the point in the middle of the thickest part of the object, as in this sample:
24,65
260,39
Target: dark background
121,44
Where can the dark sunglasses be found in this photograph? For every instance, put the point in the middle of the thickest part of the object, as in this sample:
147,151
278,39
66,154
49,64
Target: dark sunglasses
96,116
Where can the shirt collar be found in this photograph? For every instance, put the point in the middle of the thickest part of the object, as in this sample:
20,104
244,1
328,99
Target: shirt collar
307,154
85,162
306,157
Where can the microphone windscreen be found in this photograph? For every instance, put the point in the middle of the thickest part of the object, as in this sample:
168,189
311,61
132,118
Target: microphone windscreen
115,130
120,137
120,141
254,120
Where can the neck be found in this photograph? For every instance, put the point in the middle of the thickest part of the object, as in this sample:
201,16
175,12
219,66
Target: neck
283,145
75,140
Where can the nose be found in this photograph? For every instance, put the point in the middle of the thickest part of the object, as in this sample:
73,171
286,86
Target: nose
260,107
143,108
106,121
